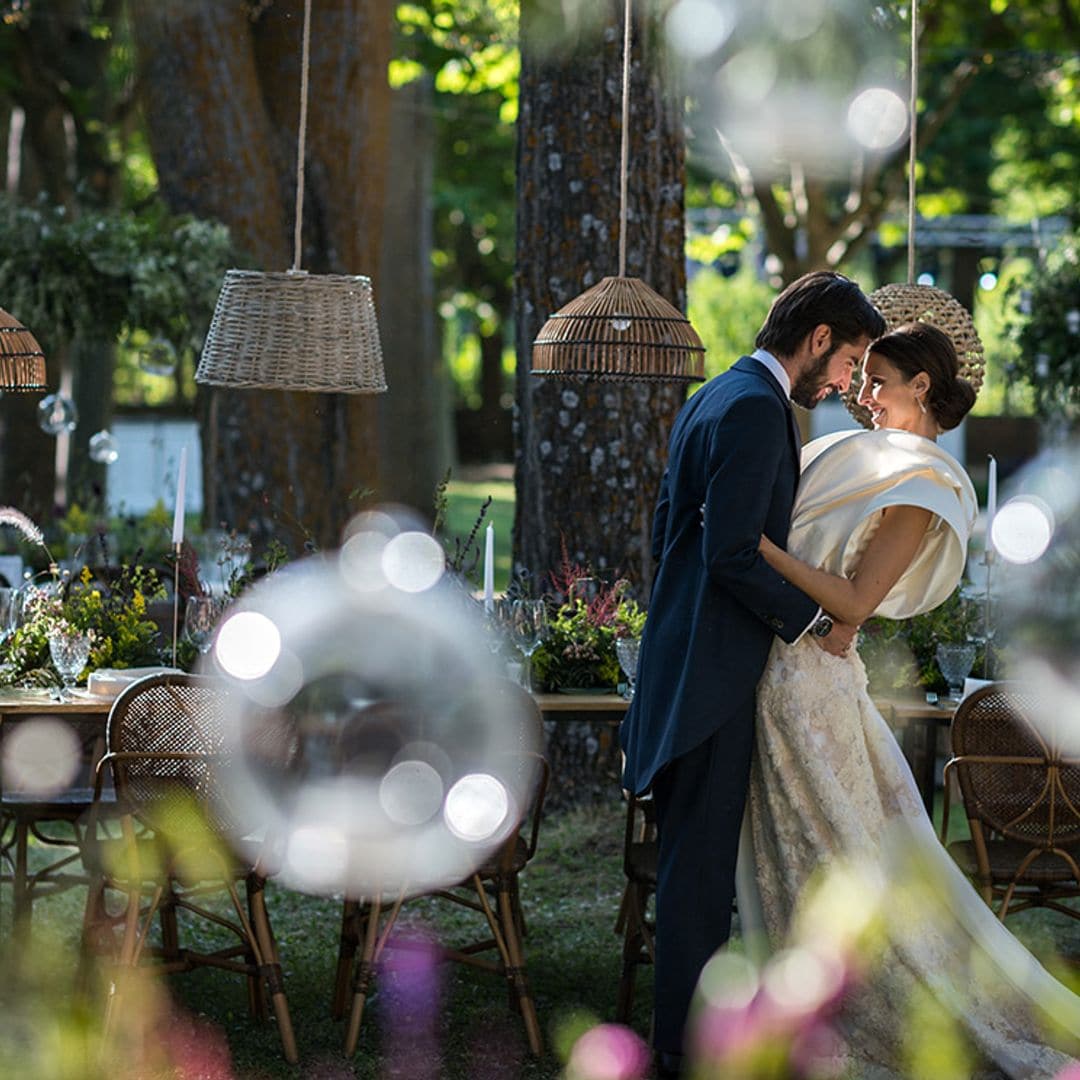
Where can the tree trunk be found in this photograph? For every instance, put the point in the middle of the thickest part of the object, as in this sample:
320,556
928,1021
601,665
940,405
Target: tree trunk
589,457
222,98
414,415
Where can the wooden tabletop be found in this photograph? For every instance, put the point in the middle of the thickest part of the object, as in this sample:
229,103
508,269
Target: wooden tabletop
16,701
609,703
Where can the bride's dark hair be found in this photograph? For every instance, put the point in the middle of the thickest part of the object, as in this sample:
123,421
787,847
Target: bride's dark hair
920,346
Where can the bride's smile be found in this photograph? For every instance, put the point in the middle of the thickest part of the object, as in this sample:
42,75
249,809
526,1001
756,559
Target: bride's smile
893,401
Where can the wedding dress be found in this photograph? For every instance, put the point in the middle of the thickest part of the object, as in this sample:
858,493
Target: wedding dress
829,784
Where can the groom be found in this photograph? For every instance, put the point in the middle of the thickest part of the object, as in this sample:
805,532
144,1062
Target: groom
733,467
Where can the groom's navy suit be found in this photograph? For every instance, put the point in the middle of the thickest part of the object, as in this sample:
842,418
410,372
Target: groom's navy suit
733,467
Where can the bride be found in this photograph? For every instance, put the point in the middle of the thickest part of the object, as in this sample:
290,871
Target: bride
881,526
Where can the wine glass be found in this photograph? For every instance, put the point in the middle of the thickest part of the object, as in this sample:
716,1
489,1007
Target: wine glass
627,649
69,651
528,624
955,661
7,612
200,618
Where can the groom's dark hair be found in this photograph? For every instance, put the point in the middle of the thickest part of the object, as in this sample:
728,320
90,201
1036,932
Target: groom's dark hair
822,296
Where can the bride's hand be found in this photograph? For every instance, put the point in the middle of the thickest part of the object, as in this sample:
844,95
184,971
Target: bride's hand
767,548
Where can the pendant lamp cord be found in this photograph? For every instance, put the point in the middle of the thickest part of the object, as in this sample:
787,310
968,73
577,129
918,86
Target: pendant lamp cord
301,135
913,110
624,146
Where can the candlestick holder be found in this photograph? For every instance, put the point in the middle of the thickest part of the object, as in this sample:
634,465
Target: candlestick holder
989,558
176,601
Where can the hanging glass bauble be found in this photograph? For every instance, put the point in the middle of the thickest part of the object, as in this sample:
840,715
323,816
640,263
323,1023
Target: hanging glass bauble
57,414
158,357
104,448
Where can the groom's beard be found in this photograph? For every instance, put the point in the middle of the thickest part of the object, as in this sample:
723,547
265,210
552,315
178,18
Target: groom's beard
808,385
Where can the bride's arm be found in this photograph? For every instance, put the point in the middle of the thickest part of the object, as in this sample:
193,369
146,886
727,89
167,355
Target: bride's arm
886,557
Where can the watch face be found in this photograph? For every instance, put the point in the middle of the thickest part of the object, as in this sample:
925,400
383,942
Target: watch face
823,626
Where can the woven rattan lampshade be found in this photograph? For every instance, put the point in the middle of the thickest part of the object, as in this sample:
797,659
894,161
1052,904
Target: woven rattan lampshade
900,304
294,331
22,363
619,330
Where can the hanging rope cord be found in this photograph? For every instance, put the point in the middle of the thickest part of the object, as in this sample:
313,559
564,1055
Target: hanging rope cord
913,111
624,141
305,53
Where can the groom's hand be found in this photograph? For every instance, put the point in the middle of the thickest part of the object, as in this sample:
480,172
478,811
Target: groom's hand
839,638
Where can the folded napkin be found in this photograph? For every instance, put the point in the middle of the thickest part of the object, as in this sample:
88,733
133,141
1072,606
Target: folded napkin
110,681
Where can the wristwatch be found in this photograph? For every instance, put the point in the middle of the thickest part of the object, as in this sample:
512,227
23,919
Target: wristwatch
822,626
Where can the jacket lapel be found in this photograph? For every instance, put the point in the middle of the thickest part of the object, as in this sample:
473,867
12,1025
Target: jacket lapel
750,366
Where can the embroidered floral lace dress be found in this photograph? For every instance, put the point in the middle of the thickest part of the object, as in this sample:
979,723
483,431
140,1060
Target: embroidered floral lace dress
829,783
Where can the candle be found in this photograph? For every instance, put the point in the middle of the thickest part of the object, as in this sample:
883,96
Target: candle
178,515
489,568
991,500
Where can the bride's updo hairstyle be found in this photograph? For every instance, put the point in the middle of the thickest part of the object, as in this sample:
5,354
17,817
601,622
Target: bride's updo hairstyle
920,346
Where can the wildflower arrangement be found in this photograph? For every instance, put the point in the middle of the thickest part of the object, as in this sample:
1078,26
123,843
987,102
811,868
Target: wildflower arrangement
579,649
112,613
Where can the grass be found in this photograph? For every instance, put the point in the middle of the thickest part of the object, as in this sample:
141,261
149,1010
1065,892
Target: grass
464,500
570,895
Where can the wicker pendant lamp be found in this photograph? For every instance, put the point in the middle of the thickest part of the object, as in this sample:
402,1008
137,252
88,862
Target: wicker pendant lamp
22,363
910,302
293,330
620,329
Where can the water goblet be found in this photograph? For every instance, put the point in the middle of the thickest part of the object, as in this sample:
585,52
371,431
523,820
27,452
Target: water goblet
7,612
69,651
955,661
528,624
200,618
627,649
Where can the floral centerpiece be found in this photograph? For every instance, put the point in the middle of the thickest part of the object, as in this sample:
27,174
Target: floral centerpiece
578,651
111,610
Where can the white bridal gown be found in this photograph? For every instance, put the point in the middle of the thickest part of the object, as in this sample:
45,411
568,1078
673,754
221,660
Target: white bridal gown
829,782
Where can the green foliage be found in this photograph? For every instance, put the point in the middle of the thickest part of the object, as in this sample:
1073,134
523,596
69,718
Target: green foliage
1046,331
899,653
108,606
100,275
727,312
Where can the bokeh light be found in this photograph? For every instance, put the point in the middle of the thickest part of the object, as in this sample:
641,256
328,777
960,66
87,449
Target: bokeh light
41,757
373,732
697,28
104,448
608,1052
57,414
158,357
248,645
877,118
1022,529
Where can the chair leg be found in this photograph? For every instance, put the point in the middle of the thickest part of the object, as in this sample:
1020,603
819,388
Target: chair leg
269,967
21,905
347,945
365,970
505,932
632,915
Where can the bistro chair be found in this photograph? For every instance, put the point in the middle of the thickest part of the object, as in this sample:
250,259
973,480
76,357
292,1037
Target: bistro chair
492,892
167,753
634,922
1020,785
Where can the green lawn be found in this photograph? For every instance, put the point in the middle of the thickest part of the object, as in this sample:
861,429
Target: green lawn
464,502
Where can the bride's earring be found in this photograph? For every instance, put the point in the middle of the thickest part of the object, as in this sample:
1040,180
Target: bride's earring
922,405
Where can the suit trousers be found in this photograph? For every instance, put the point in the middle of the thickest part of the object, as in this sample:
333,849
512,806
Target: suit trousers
699,799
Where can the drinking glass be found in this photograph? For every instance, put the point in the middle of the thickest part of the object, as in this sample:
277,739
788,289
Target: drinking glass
955,662
528,624
69,651
200,618
7,612
627,649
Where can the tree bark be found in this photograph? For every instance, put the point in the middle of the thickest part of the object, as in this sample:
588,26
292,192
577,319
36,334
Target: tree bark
414,415
589,457
221,100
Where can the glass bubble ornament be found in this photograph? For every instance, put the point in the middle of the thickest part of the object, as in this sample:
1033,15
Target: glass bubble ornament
104,448
57,414
158,357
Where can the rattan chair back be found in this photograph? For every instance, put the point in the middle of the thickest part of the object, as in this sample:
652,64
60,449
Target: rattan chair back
1015,775
166,740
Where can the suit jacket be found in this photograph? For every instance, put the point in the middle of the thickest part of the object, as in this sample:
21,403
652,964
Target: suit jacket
716,604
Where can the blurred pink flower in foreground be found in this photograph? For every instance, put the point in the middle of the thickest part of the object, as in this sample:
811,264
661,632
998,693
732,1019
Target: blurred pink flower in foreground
608,1052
